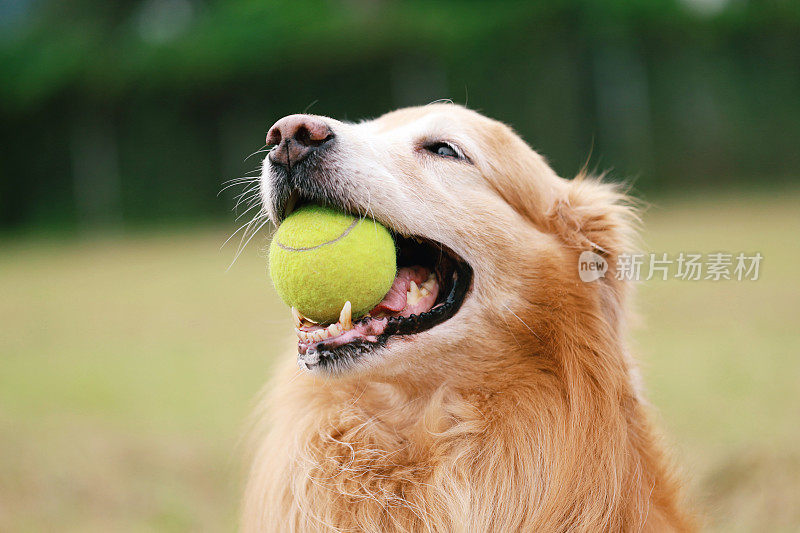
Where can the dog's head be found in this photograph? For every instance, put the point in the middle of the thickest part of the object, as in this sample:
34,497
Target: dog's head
478,216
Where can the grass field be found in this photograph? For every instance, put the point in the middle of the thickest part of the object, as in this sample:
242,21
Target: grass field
128,366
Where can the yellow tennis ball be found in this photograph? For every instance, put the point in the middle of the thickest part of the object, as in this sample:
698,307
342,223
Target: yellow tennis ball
321,258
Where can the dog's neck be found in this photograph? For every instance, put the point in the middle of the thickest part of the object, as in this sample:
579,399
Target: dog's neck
554,441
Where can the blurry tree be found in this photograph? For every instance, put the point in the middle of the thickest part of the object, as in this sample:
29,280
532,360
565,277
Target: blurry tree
139,110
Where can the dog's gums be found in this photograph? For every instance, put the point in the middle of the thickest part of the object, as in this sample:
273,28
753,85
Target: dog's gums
430,285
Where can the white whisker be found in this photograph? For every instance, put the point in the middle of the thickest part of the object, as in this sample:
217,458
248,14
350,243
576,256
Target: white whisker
239,181
523,322
255,203
261,150
242,247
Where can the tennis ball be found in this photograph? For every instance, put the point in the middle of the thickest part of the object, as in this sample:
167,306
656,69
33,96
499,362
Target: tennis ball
321,258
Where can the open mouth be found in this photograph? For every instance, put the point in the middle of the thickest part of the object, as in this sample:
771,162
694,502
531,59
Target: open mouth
430,285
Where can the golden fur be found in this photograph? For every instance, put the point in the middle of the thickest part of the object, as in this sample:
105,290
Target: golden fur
521,413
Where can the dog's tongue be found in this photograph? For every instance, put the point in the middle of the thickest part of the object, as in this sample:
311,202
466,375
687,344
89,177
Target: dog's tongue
396,299
404,299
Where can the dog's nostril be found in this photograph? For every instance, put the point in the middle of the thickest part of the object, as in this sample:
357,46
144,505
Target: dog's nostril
303,136
274,136
318,137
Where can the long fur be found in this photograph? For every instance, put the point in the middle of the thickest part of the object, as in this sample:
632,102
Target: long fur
524,414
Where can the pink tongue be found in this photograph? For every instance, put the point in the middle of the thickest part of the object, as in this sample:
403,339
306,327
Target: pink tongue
395,299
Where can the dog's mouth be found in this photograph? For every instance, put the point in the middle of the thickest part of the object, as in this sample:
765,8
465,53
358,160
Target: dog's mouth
430,285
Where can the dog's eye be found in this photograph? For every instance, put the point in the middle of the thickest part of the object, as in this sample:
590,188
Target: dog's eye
443,149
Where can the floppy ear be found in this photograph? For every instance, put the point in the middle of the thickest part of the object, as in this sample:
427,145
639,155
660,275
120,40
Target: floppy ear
586,213
590,214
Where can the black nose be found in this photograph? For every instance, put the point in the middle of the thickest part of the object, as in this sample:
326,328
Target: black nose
295,137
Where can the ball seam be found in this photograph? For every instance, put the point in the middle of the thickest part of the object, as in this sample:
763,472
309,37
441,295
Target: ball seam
308,248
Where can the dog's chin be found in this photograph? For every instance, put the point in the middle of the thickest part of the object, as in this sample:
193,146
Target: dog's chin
399,356
431,284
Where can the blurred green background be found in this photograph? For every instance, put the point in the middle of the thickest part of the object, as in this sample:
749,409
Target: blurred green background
129,356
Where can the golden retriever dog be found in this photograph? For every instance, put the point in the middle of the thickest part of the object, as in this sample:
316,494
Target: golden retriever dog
492,389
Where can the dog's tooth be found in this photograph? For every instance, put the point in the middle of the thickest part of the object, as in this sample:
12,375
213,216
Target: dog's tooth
302,316
413,294
429,283
322,334
334,331
298,318
346,316
302,335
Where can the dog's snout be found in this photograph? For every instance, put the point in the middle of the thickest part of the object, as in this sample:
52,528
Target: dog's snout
295,137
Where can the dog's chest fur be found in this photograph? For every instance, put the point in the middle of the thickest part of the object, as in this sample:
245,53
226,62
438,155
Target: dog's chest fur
371,459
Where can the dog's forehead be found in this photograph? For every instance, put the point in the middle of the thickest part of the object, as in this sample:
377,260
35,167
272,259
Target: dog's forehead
427,119
445,121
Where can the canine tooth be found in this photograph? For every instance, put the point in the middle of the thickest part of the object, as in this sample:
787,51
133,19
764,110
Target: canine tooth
298,318
346,316
413,294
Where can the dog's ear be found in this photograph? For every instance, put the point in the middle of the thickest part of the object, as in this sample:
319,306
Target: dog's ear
599,217
590,214
585,212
